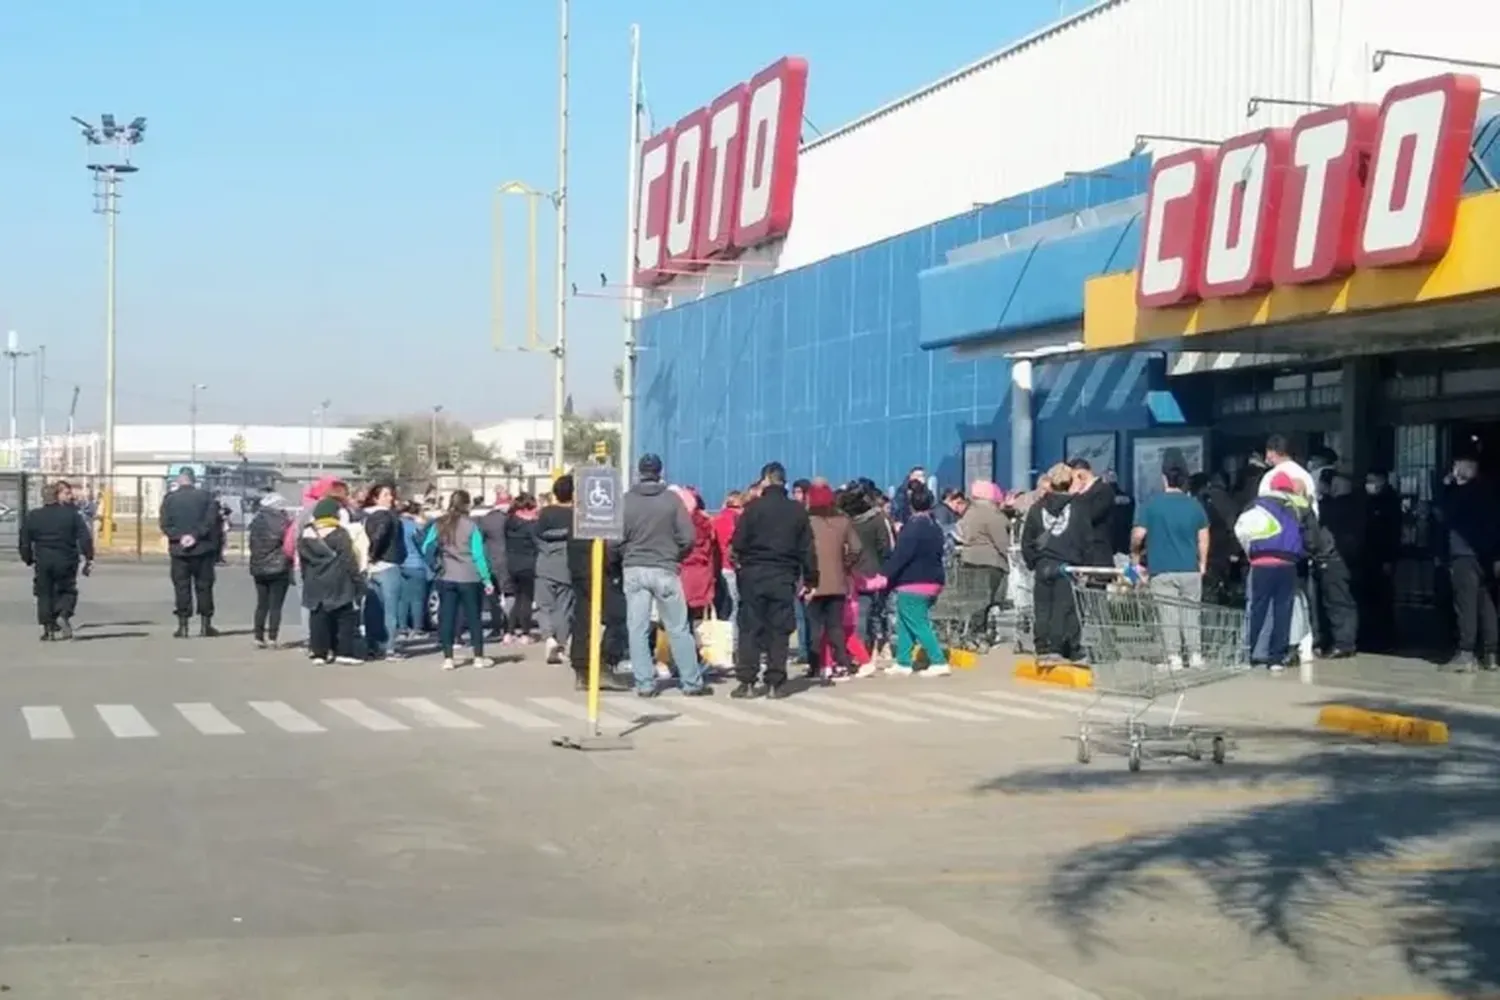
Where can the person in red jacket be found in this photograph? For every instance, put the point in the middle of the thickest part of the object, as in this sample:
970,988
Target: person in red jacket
700,567
725,520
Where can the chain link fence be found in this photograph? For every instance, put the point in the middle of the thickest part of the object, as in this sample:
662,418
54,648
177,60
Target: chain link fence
133,532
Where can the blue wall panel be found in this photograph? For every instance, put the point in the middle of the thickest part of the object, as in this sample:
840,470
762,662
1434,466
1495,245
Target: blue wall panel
821,369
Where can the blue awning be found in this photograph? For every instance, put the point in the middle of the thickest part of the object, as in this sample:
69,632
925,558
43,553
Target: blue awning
1024,289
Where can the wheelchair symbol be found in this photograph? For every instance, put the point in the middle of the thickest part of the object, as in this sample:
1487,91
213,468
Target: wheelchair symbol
600,496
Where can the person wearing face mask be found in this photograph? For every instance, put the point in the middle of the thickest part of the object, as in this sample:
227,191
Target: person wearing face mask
1380,548
1470,546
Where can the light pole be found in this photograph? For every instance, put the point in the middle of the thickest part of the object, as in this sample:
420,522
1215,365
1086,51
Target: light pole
13,355
72,417
627,369
433,443
322,427
108,171
193,421
560,344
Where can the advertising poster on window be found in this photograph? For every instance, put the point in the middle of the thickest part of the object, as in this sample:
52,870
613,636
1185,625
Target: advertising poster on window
1153,454
1097,449
979,463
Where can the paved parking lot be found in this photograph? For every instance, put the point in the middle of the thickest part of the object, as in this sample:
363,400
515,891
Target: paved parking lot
199,818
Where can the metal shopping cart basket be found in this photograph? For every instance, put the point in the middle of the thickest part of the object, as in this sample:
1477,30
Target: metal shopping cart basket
1128,640
960,615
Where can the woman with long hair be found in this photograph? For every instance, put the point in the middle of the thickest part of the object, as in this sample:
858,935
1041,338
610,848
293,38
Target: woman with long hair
520,557
455,550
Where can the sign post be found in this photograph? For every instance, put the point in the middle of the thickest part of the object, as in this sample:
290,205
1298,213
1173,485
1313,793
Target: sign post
598,516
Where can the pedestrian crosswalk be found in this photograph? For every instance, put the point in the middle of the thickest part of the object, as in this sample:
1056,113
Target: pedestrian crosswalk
840,707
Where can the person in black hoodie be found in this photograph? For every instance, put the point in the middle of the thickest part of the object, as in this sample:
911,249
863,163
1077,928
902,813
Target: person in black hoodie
772,549
331,586
1470,541
190,520
492,532
520,559
1096,504
613,642
1056,534
54,539
877,537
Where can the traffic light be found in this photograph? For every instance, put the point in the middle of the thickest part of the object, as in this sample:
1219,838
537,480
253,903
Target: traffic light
601,449
238,444
423,455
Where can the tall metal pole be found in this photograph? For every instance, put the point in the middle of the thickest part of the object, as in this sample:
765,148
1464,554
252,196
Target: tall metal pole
193,425
632,206
41,407
72,417
107,460
322,429
433,443
560,345
13,356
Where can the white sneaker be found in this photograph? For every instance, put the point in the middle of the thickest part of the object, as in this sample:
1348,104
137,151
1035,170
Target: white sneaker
1305,651
450,664
867,669
482,662
1196,661
551,645
897,670
348,661
936,670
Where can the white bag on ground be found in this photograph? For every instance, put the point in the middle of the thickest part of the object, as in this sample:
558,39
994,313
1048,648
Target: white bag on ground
716,641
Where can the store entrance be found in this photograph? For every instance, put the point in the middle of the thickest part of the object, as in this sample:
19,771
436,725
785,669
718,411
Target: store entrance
1479,440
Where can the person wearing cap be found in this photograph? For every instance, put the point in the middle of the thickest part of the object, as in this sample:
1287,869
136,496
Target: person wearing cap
657,535
772,550
189,518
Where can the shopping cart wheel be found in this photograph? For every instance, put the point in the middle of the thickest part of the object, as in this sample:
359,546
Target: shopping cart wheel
1134,760
1085,752
1219,751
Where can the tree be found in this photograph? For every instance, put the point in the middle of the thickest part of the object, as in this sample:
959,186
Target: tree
580,436
401,449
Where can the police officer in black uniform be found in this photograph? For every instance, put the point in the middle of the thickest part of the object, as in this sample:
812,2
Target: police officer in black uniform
190,520
54,540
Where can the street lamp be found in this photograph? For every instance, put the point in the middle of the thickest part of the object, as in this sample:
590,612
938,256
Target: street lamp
193,425
114,142
322,427
435,411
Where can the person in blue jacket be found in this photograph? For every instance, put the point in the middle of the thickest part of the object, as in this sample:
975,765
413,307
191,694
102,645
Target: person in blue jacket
455,550
416,576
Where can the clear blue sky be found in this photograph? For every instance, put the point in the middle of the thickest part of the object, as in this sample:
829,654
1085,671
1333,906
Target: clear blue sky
312,215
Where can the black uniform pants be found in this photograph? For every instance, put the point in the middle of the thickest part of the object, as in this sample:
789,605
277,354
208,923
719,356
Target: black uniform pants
1336,598
825,623
767,618
1474,607
270,595
193,577
1056,616
612,620
56,589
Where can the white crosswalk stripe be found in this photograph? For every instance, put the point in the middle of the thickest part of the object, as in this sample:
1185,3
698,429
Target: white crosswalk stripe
46,722
576,710
1014,711
871,711
810,714
940,710
285,717
1120,707
430,713
508,713
732,714
358,712
206,719
125,721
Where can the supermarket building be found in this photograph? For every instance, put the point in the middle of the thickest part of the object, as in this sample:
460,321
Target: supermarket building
955,280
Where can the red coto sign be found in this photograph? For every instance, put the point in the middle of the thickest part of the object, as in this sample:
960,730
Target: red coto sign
1358,185
721,180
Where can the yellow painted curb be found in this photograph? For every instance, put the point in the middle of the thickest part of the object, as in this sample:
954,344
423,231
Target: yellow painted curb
1062,674
1383,725
963,659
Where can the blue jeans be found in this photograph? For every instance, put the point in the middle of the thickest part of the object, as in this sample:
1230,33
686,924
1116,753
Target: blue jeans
804,640
382,595
1270,596
411,607
643,586
874,621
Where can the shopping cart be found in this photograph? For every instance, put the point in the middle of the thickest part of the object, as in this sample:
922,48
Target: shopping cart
1015,618
960,615
1128,635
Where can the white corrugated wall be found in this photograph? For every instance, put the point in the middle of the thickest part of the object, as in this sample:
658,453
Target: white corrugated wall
1074,97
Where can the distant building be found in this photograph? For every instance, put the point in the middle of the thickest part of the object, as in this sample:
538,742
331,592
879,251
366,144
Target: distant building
527,441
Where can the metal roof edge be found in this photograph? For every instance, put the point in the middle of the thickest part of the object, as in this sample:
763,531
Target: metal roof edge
1040,35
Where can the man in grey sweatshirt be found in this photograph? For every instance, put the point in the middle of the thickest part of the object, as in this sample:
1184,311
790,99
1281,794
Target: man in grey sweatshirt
658,533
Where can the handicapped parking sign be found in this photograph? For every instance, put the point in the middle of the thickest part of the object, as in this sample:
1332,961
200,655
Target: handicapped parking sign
599,511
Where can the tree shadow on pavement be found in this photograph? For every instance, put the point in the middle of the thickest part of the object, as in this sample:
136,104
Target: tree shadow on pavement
1412,833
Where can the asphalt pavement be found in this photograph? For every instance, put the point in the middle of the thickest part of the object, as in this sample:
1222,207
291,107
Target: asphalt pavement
197,818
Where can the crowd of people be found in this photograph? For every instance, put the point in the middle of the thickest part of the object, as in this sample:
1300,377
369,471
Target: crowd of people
848,573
